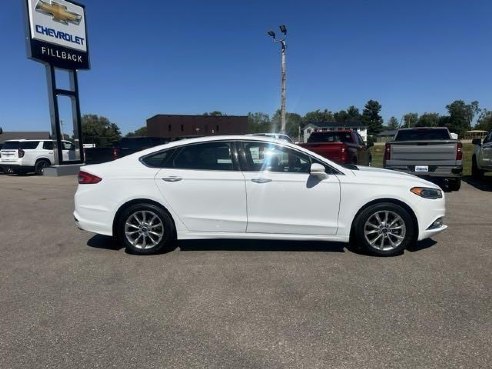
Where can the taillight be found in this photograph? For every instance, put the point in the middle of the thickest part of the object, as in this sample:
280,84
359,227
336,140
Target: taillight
20,153
116,153
87,178
459,151
387,152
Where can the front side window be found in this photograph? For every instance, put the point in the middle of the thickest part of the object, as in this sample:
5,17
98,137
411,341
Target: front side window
205,156
265,156
68,145
488,138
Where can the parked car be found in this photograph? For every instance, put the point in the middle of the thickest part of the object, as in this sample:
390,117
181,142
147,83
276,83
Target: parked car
482,156
24,156
343,147
125,146
252,188
1,145
426,152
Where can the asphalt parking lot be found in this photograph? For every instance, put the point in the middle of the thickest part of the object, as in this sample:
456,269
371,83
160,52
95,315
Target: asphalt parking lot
69,299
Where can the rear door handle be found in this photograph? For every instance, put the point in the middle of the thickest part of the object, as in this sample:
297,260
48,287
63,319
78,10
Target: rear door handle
172,179
261,180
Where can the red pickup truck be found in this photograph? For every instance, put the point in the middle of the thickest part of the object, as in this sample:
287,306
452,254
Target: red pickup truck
343,147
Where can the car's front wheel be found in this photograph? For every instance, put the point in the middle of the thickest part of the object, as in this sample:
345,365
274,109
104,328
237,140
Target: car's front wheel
146,229
476,172
384,229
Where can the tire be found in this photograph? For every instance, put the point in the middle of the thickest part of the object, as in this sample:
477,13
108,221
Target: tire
40,166
384,229
454,184
146,229
476,172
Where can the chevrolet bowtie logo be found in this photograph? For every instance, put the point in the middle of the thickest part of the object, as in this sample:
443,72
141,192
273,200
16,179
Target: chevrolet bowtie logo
58,12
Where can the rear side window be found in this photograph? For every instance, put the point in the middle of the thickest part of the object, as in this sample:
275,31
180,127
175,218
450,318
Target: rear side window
28,145
158,160
205,156
422,134
10,145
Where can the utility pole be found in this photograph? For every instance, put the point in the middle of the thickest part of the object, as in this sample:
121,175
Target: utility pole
283,74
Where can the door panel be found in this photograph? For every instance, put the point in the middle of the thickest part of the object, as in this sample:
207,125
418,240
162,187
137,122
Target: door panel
210,199
283,197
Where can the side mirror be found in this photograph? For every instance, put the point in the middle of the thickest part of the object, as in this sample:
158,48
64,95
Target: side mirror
317,170
476,141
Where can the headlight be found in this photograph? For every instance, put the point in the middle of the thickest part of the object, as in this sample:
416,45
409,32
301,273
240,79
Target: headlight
426,192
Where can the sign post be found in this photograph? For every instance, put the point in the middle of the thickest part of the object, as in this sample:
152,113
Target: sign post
57,37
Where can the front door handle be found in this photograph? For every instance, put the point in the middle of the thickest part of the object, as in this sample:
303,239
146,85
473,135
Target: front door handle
261,180
172,179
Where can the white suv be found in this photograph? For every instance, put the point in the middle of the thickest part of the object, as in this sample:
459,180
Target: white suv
23,156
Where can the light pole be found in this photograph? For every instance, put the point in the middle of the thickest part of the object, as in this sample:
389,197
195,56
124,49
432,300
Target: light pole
283,46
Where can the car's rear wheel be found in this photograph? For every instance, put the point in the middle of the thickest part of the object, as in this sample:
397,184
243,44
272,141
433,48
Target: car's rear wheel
454,184
384,229
146,229
40,166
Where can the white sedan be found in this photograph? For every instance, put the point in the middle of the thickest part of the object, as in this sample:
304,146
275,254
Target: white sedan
253,188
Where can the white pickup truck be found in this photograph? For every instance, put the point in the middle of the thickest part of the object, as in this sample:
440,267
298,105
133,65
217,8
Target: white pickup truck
429,152
24,156
482,156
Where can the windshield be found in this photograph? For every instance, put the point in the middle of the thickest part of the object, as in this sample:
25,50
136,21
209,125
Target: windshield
422,134
330,137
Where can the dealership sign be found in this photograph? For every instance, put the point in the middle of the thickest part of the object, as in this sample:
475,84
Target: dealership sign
57,33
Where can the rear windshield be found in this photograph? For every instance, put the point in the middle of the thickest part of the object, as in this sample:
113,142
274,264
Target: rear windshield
422,134
10,145
330,137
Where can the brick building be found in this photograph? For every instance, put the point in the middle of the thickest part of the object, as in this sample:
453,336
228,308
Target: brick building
173,126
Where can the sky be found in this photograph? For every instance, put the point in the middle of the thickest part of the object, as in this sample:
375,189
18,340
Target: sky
195,56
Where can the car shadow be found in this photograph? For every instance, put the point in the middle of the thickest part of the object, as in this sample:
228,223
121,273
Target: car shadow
104,242
108,243
260,245
422,245
483,184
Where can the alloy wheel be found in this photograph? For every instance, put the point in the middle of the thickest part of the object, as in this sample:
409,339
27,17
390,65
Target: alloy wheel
144,229
385,230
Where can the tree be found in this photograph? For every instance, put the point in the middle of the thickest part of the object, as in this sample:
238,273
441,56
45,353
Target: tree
410,120
353,114
99,130
259,122
393,123
142,131
371,117
318,116
428,120
485,121
292,123
461,115
341,116
214,113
